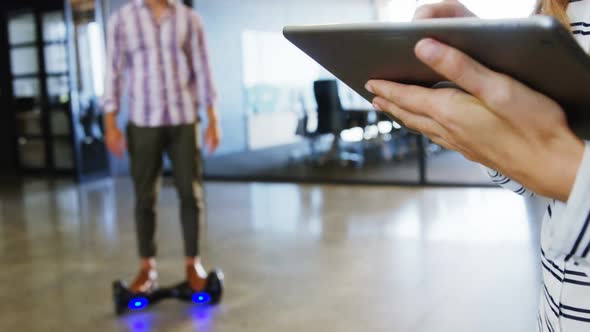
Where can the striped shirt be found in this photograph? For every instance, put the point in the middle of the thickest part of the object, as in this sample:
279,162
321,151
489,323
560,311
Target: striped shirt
162,68
565,235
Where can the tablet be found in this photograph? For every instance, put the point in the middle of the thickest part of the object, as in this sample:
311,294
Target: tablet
537,51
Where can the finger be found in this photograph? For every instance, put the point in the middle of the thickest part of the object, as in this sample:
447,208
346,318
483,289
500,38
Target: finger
208,140
425,125
418,122
209,143
447,8
443,142
495,90
211,148
117,151
450,146
112,148
456,66
121,147
419,100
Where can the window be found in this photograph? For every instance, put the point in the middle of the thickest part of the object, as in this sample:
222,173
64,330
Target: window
21,29
403,10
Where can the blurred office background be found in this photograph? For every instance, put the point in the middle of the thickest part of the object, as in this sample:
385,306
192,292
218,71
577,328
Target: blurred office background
284,117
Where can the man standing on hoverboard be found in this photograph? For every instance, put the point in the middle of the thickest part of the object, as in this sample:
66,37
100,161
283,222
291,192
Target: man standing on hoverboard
157,54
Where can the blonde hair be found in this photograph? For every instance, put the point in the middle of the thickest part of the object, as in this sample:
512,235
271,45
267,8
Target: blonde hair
555,8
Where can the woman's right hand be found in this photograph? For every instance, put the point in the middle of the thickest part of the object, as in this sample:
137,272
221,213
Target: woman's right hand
498,121
446,8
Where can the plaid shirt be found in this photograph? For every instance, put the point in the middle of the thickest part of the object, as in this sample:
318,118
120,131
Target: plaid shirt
163,67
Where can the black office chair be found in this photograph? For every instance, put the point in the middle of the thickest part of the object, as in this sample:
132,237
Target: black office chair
330,116
330,120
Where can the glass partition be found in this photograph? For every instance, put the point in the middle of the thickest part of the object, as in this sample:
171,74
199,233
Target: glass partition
86,53
301,124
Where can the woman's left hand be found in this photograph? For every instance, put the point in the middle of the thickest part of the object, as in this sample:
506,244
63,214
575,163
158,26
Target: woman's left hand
498,121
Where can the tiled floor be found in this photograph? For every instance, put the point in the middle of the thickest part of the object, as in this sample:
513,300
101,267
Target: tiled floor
296,258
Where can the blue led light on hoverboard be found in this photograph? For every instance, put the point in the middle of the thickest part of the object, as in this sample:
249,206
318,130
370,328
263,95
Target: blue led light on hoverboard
201,298
138,303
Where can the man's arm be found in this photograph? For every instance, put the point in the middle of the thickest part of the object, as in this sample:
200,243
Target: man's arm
203,75
115,67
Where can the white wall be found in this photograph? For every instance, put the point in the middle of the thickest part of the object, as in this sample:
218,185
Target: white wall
225,20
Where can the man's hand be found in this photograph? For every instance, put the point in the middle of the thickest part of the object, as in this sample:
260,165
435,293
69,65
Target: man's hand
213,131
114,138
446,8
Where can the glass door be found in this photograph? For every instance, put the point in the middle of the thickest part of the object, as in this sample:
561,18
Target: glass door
26,87
57,83
37,43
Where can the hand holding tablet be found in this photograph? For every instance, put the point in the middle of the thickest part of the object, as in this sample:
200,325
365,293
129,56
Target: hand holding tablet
518,75
537,51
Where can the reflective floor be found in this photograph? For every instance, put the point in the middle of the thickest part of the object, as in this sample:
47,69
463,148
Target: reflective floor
290,163
296,258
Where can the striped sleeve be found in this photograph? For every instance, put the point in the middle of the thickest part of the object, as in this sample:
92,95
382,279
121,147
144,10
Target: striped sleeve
573,233
201,65
115,66
505,182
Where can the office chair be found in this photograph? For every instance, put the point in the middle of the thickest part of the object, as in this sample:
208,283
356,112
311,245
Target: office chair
330,117
331,120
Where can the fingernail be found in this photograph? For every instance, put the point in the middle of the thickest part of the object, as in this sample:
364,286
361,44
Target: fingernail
428,49
377,107
369,87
